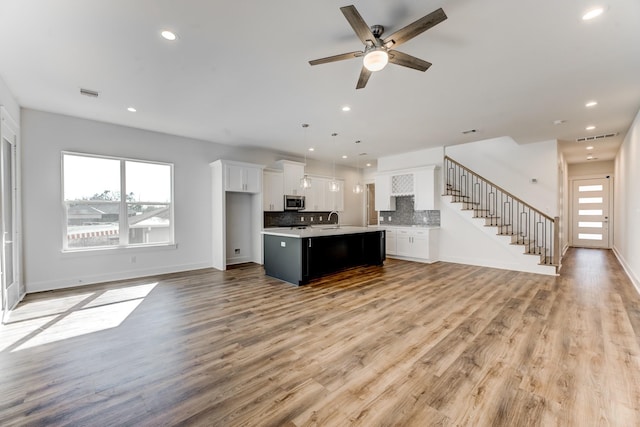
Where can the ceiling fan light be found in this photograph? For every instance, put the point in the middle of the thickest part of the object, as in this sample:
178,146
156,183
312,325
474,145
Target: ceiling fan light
376,60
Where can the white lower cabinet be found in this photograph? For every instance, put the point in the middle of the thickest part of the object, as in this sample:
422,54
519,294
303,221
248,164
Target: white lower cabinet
412,244
390,236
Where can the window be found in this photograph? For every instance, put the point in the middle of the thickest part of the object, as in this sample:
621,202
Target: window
97,215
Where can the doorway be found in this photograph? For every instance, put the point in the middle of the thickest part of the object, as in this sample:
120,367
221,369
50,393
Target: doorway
372,214
591,216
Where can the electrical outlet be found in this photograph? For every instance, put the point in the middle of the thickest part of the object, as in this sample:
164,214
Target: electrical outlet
301,219
388,218
381,219
236,251
320,218
311,219
283,244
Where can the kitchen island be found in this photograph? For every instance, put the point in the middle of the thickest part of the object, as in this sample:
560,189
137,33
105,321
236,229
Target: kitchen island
297,255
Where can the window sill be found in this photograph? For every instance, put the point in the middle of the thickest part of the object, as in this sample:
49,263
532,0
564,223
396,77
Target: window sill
120,249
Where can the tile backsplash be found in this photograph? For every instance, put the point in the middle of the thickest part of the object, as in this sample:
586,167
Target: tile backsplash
289,218
406,215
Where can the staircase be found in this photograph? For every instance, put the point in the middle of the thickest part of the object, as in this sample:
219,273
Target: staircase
525,225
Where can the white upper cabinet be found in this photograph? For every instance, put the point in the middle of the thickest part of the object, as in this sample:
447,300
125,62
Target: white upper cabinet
242,177
425,188
384,201
318,198
293,173
315,197
273,191
419,182
336,198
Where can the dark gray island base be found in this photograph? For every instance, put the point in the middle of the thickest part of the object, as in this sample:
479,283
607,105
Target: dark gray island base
296,256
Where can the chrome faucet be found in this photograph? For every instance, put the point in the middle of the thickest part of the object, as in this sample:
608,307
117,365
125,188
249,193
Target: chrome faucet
337,216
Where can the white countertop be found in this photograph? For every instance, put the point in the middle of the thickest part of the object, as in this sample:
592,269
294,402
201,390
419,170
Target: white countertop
318,231
412,227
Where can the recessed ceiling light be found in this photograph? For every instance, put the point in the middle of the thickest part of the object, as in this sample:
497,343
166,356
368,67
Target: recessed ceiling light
346,108
344,156
590,127
312,149
591,104
593,13
589,147
133,110
168,35
368,165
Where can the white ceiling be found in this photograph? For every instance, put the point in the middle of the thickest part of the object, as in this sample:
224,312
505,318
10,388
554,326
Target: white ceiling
238,73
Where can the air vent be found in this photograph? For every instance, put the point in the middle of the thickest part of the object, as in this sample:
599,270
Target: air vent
89,92
595,137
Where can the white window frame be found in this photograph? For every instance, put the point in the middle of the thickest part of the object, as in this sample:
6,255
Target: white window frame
123,218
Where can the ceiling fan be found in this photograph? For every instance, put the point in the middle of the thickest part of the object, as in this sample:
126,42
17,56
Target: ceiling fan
378,52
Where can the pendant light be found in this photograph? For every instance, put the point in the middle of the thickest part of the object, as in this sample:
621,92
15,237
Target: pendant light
305,181
334,187
358,188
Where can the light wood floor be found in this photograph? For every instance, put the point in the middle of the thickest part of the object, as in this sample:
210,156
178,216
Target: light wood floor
406,344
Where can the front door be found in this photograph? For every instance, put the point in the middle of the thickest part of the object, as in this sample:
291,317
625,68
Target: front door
591,219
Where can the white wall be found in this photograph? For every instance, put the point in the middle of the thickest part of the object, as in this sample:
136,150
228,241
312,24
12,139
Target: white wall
45,135
8,101
592,168
626,241
512,166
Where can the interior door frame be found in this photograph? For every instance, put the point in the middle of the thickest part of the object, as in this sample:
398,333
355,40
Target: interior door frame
572,180
13,292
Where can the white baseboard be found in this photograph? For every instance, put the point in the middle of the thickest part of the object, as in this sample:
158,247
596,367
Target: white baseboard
71,282
547,270
627,269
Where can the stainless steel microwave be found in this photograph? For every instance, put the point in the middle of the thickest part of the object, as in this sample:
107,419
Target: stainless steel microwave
293,203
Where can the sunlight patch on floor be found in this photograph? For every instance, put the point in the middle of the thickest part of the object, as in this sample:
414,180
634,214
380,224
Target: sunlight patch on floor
70,317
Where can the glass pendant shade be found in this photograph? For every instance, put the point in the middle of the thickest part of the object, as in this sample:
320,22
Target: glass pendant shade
334,187
358,188
375,60
305,182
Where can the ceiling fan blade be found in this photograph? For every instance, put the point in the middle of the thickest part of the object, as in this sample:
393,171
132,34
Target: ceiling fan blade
417,27
357,23
364,78
400,58
335,58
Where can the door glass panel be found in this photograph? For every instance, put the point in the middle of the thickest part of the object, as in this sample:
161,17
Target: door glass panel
592,224
586,236
590,212
590,188
590,200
